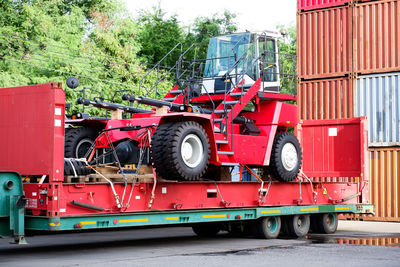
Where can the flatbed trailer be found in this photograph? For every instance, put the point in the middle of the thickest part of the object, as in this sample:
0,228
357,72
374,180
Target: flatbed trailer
34,194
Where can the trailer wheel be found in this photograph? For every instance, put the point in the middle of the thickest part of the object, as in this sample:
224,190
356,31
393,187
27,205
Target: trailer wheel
268,227
206,229
296,225
286,157
325,223
78,141
180,151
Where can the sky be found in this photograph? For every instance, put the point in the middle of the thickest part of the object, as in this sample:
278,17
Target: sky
252,15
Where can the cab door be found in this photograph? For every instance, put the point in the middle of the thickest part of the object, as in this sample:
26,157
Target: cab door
269,63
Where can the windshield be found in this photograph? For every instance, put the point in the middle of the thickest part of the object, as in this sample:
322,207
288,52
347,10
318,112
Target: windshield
222,51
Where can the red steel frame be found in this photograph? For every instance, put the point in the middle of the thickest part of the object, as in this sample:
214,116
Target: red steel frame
54,198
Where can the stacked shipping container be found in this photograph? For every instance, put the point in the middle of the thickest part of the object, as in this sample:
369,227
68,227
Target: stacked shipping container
348,55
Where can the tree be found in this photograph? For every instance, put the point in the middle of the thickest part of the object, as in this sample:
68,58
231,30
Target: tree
287,49
158,36
207,27
50,40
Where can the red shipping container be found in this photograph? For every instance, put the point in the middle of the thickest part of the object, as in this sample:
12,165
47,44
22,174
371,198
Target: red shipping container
324,43
376,33
319,4
32,130
333,148
325,99
304,5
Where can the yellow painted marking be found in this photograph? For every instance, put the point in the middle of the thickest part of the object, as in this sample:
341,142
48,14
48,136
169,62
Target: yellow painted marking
325,192
133,220
342,208
172,218
215,216
309,209
53,224
88,222
270,211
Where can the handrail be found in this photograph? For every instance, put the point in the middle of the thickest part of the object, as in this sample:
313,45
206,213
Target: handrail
156,66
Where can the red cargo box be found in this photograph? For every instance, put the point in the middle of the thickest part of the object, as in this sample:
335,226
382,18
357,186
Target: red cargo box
324,43
326,99
32,130
319,4
304,5
335,148
376,37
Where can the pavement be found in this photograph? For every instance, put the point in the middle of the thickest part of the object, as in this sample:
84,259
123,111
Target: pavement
369,226
356,243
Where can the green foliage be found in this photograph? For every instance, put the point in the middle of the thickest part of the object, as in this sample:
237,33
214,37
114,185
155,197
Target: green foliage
287,50
158,36
207,27
52,40
99,43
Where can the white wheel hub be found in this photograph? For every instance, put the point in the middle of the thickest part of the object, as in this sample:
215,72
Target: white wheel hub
83,142
192,150
289,156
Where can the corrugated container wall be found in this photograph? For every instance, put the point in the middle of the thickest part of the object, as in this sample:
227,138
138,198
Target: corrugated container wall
384,185
376,37
319,4
324,43
377,96
325,99
304,5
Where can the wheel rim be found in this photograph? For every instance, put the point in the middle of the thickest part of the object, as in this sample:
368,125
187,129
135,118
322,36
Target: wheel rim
272,225
82,147
300,221
330,220
289,156
192,150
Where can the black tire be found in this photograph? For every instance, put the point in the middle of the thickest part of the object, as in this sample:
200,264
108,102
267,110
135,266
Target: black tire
79,166
206,229
325,223
296,225
285,171
78,141
166,151
268,227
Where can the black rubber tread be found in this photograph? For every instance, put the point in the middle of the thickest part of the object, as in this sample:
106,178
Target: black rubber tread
165,151
80,167
323,223
291,227
275,167
262,227
72,138
206,229
158,148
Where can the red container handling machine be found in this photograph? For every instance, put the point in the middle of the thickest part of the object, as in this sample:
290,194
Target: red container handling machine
225,112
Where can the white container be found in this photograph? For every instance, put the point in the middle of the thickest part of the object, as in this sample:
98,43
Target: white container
377,96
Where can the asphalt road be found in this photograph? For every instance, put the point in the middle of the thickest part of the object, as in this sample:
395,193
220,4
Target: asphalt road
180,247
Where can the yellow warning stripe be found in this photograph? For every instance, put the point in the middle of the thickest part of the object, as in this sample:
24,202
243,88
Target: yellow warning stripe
88,222
309,209
342,208
270,211
133,220
172,218
215,216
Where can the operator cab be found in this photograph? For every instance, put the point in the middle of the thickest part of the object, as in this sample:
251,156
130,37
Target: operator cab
242,57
